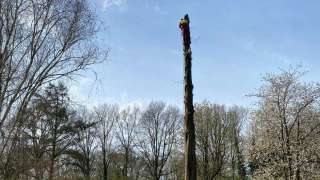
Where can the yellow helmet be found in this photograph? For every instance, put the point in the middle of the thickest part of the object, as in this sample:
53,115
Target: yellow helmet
183,21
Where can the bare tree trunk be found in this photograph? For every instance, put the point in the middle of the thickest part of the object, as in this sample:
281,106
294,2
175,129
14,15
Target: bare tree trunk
51,168
53,152
105,168
104,153
206,164
189,139
298,152
288,148
125,170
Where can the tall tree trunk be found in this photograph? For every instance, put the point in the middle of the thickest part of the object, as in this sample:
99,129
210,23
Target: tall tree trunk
105,173
206,160
104,153
298,152
126,161
53,152
288,148
88,169
189,134
52,159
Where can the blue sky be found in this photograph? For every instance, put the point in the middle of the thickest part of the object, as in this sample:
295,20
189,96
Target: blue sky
233,42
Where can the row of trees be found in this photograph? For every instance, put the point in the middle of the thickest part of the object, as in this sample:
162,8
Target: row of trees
56,138
60,139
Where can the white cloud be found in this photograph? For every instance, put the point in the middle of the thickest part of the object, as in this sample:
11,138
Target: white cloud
80,94
136,103
121,4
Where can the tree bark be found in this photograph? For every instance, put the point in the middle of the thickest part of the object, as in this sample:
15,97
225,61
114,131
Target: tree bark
52,159
206,164
104,153
53,152
105,173
189,128
126,161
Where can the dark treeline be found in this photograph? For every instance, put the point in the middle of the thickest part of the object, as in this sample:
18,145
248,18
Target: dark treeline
44,134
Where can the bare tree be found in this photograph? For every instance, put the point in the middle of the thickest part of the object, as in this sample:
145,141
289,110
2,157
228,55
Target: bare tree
108,116
158,135
212,125
126,136
237,115
40,41
83,154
